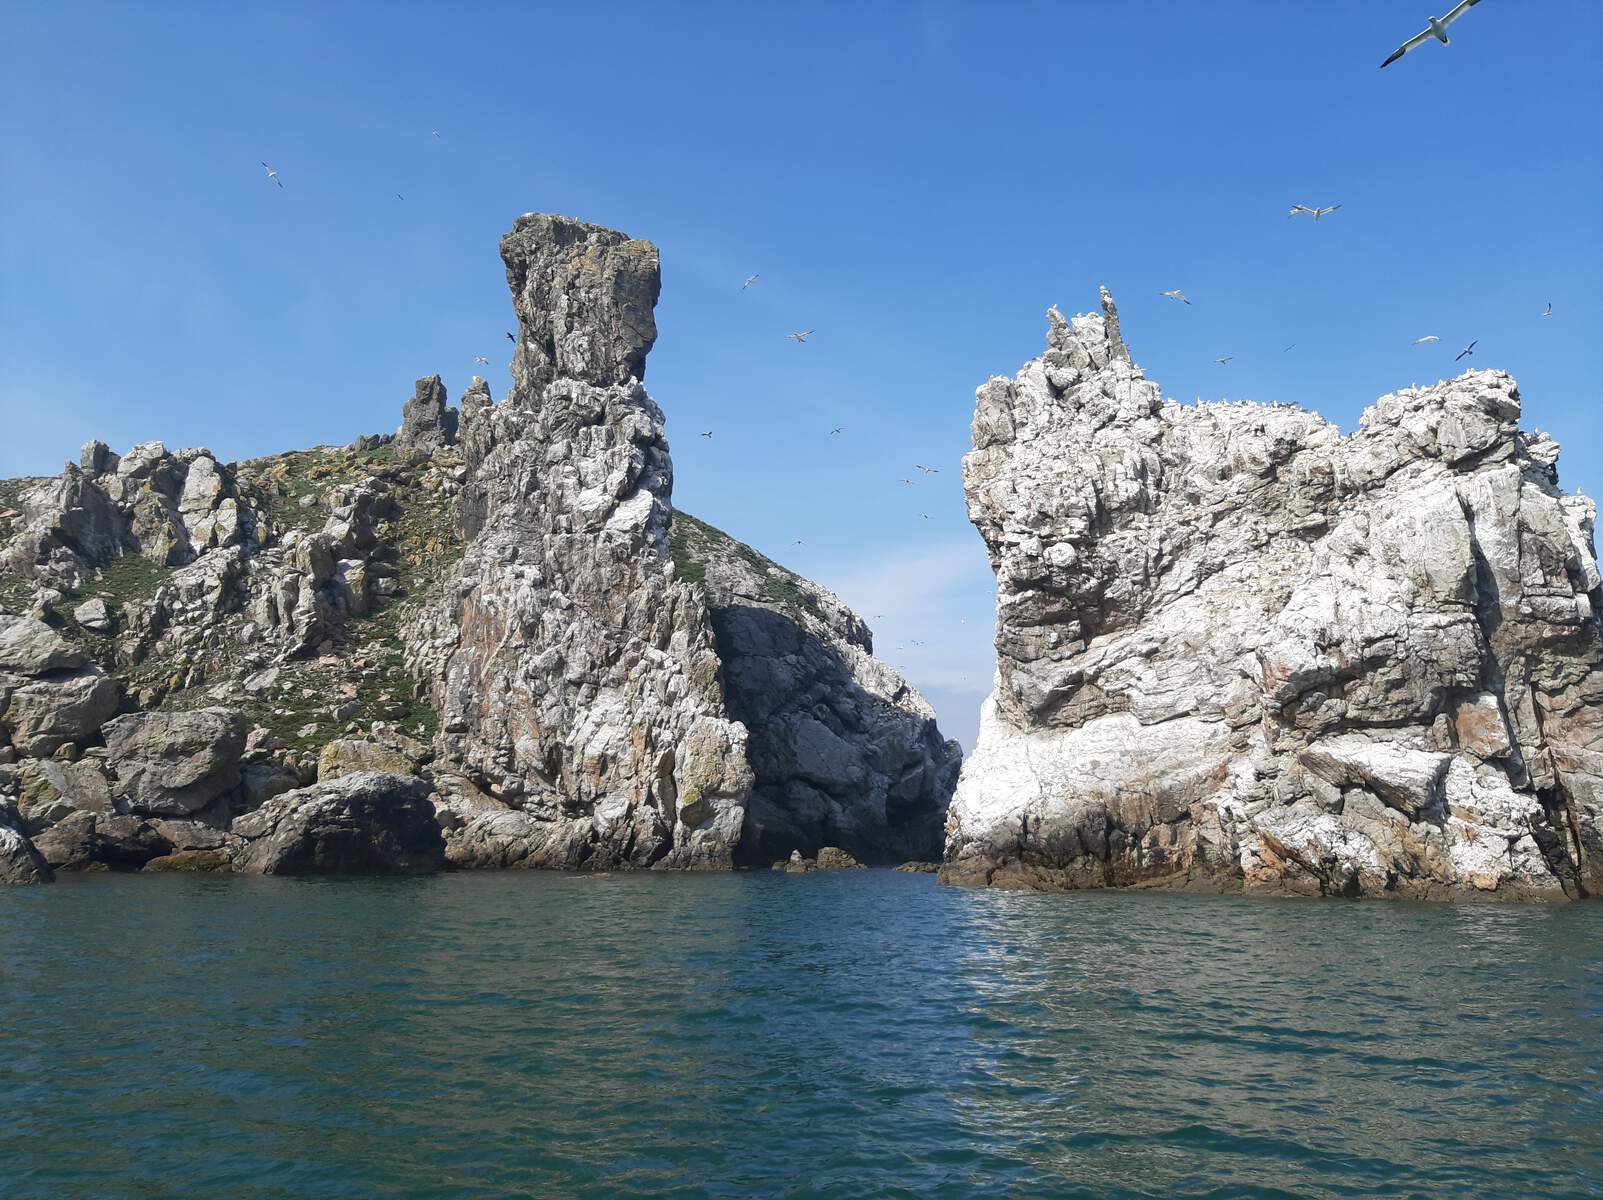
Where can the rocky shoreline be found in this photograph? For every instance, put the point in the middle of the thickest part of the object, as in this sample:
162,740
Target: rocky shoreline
485,641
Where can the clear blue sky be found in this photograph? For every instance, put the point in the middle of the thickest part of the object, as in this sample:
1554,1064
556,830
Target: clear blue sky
915,181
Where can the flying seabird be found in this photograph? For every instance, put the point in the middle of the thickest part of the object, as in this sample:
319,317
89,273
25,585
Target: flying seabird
1468,351
926,516
512,339
837,429
1436,29
750,279
273,175
435,132
706,433
1315,213
928,470
481,360
798,542
1177,294
1549,311
1429,337
1293,346
801,336
908,482
1223,361
398,196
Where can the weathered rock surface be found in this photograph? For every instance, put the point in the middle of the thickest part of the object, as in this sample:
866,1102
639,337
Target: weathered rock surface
575,678
367,823
1236,649
844,751
494,603
174,763
20,860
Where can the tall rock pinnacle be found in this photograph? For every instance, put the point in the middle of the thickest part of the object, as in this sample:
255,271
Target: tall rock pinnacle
574,676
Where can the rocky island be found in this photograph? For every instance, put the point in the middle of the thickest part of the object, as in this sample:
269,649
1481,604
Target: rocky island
487,640
1237,650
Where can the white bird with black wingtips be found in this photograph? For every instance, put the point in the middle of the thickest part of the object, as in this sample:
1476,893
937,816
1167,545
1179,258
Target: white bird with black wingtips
1437,28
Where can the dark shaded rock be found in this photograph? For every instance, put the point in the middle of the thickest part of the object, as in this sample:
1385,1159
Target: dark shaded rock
426,422
831,858
87,839
362,824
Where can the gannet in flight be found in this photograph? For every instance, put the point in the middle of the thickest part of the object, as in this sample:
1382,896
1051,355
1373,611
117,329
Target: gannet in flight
1315,213
801,336
1468,351
481,360
750,279
1429,337
1177,294
1437,29
273,175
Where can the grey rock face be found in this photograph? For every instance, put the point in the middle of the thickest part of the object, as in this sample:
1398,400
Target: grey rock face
844,751
574,677
367,823
42,714
426,422
30,647
107,841
174,763
1236,649
20,860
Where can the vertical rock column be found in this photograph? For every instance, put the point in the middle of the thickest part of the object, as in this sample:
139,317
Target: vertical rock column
575,678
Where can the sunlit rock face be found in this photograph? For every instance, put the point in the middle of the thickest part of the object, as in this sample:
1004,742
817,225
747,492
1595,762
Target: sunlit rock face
576,679
1237,650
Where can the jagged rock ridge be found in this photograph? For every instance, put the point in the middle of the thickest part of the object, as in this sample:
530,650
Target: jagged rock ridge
485,604
1236,649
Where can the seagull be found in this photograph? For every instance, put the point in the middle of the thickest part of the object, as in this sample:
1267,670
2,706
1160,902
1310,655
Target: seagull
798,542
1549,311
801,336
273,175
926,516
706,433
480,360
1437,29
1177,294
750,279
1293,346
1225,360
1315,213
398,196
928,470
435,132
1469,350
837,429
908,482
512,339
1429,337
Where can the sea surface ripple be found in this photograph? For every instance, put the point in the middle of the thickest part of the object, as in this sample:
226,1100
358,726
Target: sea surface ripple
851,1034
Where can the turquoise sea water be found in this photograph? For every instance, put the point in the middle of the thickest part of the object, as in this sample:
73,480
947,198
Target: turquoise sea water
847,1034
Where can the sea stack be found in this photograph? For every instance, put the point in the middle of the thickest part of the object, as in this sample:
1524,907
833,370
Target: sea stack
1237,650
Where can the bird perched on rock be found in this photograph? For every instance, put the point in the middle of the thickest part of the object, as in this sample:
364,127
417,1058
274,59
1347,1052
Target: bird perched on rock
800,337
1315,213
1437,28
750,279
273,175
1429,337
1177,294
1468,351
